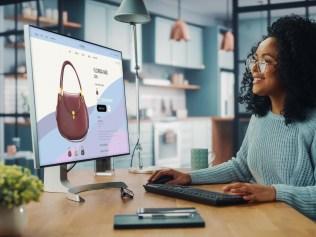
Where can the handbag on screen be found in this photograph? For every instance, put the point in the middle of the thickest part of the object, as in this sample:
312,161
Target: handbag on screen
71,111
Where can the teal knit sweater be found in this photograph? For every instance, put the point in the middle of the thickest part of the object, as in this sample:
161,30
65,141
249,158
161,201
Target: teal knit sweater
274,154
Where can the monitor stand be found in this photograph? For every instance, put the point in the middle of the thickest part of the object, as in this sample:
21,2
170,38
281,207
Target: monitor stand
56,180
104,167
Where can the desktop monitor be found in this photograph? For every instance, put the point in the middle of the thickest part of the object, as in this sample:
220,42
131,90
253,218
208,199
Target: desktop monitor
78,106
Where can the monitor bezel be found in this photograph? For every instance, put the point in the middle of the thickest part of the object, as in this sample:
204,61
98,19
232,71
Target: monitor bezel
33,116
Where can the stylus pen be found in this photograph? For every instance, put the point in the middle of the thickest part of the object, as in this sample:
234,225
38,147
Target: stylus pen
165,210
166,215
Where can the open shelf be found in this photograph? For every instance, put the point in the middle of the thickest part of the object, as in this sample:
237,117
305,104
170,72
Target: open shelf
12,45
26,122
183,87
20,76
44,21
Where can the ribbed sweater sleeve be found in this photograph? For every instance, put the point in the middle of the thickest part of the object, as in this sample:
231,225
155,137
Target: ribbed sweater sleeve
235,169
301,198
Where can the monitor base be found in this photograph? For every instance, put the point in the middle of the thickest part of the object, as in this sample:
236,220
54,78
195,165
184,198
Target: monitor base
56,181
105,173
144,170
73,193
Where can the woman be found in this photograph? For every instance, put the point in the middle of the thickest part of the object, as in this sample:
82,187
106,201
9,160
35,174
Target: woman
277,159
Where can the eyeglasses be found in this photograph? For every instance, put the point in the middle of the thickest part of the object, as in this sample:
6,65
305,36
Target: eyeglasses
261,64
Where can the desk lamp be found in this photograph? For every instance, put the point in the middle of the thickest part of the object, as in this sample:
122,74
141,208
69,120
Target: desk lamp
134,12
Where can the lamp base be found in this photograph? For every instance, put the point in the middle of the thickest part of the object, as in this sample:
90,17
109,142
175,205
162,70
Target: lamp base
144,170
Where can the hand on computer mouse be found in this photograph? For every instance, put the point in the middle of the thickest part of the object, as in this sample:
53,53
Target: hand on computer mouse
177,177
162,179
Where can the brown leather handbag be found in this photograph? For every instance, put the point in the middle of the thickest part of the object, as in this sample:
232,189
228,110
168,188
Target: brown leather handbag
71,111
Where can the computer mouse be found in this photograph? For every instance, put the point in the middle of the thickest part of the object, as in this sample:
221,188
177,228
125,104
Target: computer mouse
162,179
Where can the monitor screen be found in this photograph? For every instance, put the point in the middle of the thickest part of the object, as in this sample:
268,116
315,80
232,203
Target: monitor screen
78,106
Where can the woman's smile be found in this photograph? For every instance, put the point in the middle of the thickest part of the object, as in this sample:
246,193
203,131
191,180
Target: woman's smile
257,80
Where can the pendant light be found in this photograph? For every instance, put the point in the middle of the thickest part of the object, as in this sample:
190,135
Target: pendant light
179,30
228,38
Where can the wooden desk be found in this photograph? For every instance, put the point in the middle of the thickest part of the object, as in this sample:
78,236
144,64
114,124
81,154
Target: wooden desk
56,216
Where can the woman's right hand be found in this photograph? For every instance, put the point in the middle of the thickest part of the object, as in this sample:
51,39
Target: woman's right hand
178,177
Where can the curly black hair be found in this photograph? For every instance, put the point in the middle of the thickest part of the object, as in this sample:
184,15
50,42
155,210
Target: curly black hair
296,41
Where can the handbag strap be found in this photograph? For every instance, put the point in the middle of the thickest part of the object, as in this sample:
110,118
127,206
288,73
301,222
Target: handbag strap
62,76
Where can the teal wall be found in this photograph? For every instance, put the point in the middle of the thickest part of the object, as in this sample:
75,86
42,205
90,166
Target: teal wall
24,132
205,101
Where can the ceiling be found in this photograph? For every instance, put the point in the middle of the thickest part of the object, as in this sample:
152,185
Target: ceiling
216,9
212,8
209,12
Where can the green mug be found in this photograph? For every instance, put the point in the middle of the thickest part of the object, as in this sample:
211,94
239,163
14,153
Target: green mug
199,158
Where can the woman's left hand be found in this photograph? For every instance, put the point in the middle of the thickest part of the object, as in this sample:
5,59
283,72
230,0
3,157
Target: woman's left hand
252,192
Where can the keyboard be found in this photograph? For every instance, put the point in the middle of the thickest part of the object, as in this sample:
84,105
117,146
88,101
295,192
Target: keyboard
195,194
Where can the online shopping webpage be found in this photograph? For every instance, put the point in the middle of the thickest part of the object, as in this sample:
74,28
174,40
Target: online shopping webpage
79,99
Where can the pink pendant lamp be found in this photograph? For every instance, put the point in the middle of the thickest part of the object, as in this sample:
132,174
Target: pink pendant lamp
179,30
228,41
228,38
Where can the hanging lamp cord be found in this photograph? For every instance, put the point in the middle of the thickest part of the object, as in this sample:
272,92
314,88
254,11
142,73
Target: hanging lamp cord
179,9
227,14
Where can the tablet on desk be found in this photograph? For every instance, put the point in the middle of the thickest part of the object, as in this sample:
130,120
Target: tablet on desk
134,222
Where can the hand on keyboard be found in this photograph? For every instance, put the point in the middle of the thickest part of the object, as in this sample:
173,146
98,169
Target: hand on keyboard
177,177
252,192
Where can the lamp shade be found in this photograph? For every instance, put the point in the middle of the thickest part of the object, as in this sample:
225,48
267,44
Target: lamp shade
132,11
228,41
179,31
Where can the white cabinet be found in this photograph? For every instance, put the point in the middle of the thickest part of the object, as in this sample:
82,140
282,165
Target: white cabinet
119,34
95,23
195,48
201,133
186,143
227,99
163,47
192,133
181,54
146,140
167,144
195,133
226,59
101,28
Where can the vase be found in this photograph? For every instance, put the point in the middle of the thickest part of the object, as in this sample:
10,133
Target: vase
12,221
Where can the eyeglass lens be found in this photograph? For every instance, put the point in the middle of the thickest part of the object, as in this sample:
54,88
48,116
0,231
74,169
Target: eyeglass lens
252,63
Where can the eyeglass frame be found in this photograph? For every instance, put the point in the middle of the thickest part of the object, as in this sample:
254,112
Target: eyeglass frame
257,63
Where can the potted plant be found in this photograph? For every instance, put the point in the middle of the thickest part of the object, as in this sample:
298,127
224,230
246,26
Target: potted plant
17,187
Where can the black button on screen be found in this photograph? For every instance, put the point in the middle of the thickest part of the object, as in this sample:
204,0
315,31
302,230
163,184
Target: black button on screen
101,108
